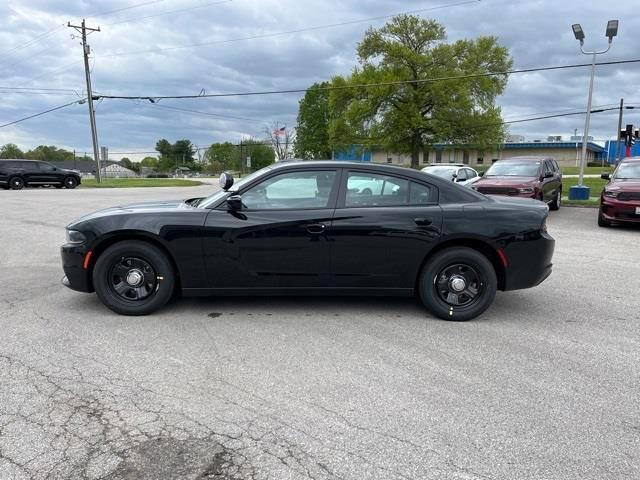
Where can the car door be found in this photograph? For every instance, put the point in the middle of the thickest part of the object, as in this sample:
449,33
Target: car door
279,239
29,171
380,241
47,173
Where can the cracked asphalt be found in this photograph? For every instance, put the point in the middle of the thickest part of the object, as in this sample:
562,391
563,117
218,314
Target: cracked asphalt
545,385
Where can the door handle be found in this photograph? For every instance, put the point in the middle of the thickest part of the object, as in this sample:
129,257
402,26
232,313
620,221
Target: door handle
315,228
422,221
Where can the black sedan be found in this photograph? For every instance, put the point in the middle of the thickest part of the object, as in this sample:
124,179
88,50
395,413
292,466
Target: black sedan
300,228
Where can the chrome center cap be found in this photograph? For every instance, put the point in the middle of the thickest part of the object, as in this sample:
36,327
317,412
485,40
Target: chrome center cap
134,277
457,284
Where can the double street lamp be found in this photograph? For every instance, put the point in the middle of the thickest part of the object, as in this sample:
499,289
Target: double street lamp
580,191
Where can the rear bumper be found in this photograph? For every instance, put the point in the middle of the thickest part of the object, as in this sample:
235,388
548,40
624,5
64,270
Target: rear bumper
619,211
76,277
529,262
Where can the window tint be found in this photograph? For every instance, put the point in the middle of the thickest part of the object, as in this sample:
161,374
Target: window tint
548,167
419,194
470,173
371,190
310,189
45,167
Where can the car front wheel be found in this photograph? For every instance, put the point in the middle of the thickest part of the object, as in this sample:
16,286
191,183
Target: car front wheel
133,278
557,201
458,283
70,182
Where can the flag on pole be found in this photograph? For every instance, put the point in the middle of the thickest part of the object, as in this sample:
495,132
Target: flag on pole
279,131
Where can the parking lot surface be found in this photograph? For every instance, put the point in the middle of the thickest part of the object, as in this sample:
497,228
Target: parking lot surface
544,385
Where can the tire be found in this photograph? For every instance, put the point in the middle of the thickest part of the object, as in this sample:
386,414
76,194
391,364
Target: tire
601,221
474,268
132,257
70,182
16,183
557,201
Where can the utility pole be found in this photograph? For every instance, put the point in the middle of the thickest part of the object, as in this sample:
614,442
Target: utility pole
616,158
86,49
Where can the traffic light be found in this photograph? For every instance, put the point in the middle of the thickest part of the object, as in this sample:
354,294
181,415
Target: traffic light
629,135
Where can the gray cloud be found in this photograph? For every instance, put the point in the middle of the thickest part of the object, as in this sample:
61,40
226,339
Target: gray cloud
536,32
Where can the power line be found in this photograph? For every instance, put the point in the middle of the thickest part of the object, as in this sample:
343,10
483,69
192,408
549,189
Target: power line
130,7
199,112
170,12
289,32
43,113
35,39
155,98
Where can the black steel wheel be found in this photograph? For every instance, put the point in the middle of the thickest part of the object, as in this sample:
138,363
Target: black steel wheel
70,182
16,183
458,283
133,277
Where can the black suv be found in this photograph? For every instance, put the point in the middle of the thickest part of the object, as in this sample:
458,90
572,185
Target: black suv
16,174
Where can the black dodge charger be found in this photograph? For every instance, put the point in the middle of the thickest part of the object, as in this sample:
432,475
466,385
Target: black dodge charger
315,228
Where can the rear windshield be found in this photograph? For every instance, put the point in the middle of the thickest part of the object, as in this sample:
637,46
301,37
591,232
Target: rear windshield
628,170
514,169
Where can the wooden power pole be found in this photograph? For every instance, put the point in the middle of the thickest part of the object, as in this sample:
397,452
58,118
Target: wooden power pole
86,49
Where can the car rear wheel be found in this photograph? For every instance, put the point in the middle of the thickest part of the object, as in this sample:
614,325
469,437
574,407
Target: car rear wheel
133,278
602,222
16,183
557,200
70,182
458,283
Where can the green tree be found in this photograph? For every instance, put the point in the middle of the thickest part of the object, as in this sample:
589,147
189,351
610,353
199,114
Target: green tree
127,163
260,152
405,117
224,156
48,152
312,131
174,155
149,162
11,150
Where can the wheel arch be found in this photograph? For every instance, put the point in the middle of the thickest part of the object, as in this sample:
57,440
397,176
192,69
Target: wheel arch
102,243
478,245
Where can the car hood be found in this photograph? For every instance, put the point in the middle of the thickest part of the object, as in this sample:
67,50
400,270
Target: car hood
137,208
624,185
505,181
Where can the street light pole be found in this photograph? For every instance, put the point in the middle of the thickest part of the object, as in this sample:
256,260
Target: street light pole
581,191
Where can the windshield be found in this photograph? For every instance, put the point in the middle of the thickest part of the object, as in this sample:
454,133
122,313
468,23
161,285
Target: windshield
513,169
443,172
628,170
237,185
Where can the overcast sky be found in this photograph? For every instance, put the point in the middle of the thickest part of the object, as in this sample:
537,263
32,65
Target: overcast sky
36,50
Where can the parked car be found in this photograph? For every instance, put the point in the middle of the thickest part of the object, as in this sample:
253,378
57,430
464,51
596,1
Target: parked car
620,198
459,173
451,246
528,177
17,174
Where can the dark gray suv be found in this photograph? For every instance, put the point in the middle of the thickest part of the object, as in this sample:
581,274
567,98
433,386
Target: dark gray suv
17,174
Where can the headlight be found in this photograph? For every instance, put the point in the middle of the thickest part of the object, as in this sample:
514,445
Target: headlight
611,193
526,190
73,236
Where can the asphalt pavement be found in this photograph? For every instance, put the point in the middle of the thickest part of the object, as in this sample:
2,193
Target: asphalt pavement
544,385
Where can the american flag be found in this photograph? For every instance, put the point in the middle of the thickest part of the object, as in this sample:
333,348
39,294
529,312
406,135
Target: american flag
279,131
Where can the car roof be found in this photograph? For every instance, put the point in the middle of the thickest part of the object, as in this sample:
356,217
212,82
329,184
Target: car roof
528,158
460,165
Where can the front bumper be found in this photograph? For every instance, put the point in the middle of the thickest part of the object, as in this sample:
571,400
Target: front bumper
529,262
619,211
76,276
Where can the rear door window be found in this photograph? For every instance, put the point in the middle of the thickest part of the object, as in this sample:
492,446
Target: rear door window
374,190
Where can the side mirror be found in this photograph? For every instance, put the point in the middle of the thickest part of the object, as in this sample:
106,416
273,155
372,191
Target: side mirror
226,181
234,202
605,176
548,175
481,174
